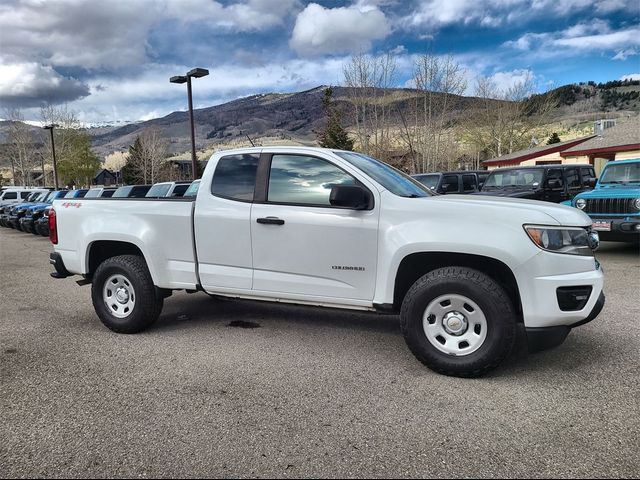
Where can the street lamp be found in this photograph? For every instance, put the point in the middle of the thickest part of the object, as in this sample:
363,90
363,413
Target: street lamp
53,152
196,73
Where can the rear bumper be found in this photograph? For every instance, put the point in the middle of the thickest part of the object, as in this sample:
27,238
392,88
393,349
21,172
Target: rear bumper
539,339
55,259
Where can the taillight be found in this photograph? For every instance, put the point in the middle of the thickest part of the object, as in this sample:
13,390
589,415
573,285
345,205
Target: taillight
53,227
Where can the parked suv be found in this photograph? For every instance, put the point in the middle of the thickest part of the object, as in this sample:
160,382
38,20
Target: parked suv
551,183
466,181
18,214
5,210
131,191
168,189
614,204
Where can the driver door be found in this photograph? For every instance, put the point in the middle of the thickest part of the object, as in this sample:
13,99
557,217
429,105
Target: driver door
304,246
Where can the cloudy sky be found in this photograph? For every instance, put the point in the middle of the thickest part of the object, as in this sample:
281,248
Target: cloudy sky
111,60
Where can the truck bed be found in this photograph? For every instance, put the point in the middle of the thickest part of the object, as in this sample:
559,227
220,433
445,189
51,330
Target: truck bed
137,221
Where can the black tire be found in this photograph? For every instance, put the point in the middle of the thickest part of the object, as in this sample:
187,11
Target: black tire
494,303
148,303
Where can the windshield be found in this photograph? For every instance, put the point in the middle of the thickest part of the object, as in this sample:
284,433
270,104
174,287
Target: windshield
514,178
93,193
430,181
192,191
122,192
622,173
393,180
159,190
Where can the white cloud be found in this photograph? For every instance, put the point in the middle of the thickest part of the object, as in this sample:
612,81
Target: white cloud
252,15
631,76
319,30
507,79
29,84
97,34
434,14
624,54
579,39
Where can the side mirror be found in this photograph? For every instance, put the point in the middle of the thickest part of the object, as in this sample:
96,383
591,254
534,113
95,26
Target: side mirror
349,196
444,187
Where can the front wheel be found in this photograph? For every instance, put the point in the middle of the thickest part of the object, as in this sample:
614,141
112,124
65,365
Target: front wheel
124,296
458,322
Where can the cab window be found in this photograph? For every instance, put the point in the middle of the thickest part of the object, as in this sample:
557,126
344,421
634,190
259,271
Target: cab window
449,184
573,180
469,183
303,180
235,177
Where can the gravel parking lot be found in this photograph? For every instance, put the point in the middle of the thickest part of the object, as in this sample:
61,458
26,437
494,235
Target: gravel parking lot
308,393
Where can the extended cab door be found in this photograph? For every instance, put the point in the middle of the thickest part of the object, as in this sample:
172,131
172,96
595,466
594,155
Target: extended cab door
304,246
222,224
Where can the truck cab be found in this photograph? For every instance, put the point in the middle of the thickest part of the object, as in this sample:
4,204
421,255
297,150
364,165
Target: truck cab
614,203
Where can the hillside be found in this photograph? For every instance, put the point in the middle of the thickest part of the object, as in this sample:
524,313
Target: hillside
294,117
287,117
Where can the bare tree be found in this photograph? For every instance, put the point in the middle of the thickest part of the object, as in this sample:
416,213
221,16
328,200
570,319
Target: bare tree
147,157
506,120
368,80
67,124
23,148
438,80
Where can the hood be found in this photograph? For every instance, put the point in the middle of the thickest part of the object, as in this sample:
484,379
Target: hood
612,191
511,193
521,210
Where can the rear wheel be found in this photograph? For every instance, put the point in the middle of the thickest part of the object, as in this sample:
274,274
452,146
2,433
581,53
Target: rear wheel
124,295
458,322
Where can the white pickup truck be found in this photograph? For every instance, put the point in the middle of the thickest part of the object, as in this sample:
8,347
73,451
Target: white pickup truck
340,229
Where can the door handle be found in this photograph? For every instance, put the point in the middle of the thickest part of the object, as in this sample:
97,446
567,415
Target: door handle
271,221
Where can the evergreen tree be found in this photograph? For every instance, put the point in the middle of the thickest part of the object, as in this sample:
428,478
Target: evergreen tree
129,170
77,164
554,138
333,135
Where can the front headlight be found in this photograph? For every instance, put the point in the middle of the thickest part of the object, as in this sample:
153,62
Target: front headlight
569,240
636,203
581,203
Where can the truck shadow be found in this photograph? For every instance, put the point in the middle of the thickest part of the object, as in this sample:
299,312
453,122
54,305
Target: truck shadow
184,311
583,351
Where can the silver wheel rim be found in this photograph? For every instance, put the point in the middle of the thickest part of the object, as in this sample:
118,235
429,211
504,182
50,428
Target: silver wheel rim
455,325
119,296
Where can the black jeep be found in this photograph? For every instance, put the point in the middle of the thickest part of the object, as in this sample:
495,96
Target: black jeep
464,181
551,183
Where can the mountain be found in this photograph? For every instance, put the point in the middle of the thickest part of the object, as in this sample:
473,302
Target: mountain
284,116
294,117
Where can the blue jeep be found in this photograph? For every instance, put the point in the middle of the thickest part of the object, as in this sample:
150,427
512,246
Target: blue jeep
18,213
33,213
614,204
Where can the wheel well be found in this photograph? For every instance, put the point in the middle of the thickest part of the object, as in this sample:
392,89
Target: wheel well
104,249
416,265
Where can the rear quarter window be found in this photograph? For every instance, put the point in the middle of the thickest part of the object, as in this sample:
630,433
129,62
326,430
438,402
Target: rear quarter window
235,177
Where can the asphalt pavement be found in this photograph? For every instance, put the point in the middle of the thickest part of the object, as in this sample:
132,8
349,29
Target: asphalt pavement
305,393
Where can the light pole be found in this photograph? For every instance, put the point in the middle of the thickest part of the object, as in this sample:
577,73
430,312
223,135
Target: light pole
196,73
53,153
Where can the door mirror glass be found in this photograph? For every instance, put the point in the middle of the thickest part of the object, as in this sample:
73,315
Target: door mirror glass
349,196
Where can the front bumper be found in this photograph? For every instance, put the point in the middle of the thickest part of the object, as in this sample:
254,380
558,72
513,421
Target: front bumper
622,229
26,223
539,339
